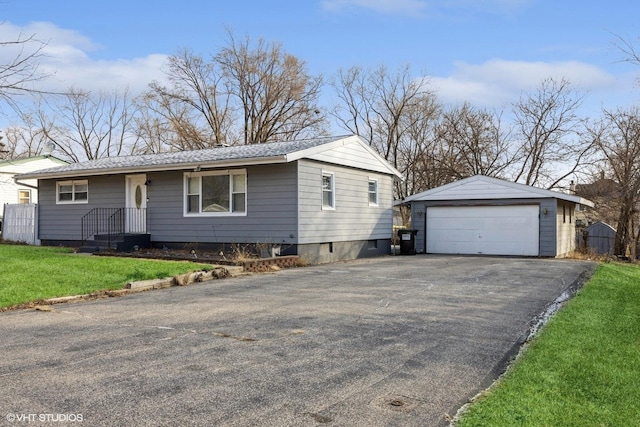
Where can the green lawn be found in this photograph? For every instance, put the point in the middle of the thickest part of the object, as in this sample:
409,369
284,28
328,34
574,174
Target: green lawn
30,273
583,369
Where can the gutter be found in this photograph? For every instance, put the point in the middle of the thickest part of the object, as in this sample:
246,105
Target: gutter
24,184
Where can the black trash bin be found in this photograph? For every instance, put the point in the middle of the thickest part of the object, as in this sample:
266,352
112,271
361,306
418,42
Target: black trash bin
407,240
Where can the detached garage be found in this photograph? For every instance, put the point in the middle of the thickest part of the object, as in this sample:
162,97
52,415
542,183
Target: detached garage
489,216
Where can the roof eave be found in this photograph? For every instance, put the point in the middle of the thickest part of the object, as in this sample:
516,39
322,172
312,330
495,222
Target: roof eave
586,202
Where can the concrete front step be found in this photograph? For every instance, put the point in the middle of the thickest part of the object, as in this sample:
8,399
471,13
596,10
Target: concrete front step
90,249
120,243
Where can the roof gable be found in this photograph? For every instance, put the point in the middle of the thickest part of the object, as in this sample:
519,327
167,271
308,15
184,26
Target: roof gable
352,151
480,187
29,164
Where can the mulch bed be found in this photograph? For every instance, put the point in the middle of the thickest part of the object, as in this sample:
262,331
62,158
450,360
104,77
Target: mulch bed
257,265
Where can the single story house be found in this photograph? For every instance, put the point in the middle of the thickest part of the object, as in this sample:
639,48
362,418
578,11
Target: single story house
23,191
324,199
483,215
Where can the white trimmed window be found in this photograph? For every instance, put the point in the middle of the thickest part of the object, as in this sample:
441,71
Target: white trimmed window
219,193
72,191
328,191
24,197
373,192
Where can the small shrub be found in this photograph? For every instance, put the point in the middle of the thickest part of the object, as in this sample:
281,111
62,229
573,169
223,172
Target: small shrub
303,262
242,253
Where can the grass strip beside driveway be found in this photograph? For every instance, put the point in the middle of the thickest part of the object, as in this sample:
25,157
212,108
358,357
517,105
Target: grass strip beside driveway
583,369
30,273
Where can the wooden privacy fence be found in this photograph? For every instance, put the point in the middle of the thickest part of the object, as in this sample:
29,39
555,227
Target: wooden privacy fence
20,223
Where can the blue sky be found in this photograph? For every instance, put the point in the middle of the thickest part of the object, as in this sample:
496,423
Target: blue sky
483,51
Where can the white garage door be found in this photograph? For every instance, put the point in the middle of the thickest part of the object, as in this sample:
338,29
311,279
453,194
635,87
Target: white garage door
490,230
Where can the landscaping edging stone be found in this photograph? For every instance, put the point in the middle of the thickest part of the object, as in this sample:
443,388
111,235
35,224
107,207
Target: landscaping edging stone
217,272
220,269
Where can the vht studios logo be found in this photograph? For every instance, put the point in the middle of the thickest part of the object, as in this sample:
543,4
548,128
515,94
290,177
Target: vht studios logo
44,418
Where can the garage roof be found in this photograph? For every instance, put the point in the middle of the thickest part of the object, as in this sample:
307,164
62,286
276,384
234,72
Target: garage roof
480,187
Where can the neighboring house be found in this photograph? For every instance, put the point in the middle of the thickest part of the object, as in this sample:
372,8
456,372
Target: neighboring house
483,215
605,193
23,191
324,199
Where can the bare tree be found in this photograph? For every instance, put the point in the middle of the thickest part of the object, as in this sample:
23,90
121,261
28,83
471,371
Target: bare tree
154,132
195,105
425,152
546,122
376,104
17,75
21,71
395,114
474,141
278,98
617,136
26,140
166,123
416,150
628,49
86,126
245,93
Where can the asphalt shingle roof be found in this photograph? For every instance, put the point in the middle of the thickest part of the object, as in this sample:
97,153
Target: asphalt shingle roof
204,156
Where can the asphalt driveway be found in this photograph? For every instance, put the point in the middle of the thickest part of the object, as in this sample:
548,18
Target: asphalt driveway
397,341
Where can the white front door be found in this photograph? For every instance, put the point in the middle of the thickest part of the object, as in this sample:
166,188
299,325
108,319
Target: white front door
136,212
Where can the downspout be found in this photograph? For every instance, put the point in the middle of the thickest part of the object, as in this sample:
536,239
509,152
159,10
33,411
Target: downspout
425,229
35,187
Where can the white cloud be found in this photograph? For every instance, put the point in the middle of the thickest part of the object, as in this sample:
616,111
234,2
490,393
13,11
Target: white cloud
418,8
66,60
386,7
498,82
134,74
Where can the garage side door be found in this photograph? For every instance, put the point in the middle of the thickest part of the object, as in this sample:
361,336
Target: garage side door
489,230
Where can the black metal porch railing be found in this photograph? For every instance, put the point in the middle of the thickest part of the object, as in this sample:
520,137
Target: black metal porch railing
111,224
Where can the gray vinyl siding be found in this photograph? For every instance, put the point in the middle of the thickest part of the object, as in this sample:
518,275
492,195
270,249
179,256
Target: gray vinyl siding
547,224
271,210
284,206
548,229
352,219
63,221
